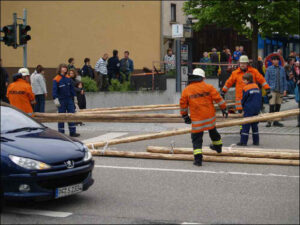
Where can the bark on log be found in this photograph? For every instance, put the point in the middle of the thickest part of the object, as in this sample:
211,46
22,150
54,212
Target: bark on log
226,159
268,153
235,122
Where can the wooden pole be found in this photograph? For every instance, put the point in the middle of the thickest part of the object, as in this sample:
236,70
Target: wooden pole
125,118
206,158
138,107
235,122
268,153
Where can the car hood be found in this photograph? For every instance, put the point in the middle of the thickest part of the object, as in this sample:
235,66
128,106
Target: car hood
46,145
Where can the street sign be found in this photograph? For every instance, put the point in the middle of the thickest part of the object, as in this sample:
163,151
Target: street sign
177,30
184,52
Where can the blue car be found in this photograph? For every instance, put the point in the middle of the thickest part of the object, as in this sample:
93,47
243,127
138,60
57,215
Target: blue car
38,163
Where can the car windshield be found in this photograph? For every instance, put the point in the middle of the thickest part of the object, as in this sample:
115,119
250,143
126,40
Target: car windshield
12,119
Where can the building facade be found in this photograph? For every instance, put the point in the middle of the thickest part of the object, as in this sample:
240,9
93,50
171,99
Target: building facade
80,29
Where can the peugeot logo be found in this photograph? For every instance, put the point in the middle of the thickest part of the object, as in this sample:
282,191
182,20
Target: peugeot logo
69,164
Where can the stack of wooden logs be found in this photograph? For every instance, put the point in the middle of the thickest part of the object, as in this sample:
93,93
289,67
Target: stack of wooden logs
121,115
244,155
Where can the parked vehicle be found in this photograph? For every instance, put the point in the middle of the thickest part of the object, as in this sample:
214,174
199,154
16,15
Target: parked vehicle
39,163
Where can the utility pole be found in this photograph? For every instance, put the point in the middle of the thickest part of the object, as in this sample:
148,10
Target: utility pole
178,65
25,45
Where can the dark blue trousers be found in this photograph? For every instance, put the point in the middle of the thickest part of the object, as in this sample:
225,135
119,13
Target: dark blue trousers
66,105
40,103
245,132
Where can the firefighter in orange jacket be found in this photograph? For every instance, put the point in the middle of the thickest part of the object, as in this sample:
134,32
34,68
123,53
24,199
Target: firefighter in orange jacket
237,79
19,93
198,98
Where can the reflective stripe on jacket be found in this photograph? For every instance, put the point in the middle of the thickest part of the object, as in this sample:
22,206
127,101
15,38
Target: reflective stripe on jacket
199,98
20,95
237,79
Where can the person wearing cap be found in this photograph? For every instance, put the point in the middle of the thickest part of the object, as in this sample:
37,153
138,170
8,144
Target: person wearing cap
198,98
276,78
19,92
237,78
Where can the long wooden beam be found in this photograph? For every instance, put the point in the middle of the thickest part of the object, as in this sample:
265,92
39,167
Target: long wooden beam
241,152
206,158
235,122
124,118
141,109
138,107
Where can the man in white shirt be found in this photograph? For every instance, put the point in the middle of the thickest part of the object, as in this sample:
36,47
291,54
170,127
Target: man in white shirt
101,69
39,88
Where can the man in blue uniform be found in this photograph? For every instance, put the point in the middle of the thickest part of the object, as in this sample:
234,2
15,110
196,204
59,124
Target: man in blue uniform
63,94
251,103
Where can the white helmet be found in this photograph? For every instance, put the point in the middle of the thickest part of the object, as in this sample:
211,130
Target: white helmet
198,72
24,72
244,59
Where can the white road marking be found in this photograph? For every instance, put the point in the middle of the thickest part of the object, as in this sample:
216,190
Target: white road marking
195,171
105,137
38,212
190,223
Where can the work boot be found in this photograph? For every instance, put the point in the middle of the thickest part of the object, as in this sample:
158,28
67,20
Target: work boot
277,124
198,160
241,144
75,135
217,148
269,124
256,143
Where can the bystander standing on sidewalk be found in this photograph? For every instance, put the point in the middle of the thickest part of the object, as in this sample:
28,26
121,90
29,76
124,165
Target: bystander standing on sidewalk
236,54
276,78
214,58
169,60
38,84
126,66
204,59
113,66
102,76
87,70
71,62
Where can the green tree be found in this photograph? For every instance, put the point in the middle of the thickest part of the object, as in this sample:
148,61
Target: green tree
250,18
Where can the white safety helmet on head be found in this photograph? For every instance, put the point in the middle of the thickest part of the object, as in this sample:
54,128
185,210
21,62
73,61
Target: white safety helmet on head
198,72
24,71
244,59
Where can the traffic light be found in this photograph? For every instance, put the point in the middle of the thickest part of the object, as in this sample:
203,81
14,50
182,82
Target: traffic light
10,35
23,36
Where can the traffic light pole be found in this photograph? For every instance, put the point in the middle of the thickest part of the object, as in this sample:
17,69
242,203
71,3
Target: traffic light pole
25,46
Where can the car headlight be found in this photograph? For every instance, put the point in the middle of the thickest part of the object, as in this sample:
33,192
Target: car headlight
29,164
87,154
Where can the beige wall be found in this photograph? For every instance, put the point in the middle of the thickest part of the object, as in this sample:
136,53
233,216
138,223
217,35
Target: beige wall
79,29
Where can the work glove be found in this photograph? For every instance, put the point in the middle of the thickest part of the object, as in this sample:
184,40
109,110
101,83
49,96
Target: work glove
56,102
223,94
187,119
225,113
268,94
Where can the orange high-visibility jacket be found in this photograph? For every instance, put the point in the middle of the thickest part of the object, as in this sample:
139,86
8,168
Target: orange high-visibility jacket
237,79
199,98
19,94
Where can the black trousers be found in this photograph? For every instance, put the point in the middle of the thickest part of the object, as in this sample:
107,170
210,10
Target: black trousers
197,138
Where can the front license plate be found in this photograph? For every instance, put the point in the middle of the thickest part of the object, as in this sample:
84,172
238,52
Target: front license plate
68,190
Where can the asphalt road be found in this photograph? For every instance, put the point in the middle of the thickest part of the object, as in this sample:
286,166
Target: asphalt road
140,191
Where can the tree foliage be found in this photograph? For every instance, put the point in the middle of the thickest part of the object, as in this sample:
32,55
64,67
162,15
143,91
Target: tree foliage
249,18
269,16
